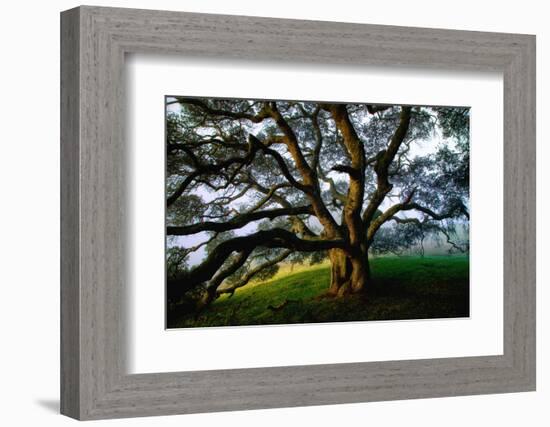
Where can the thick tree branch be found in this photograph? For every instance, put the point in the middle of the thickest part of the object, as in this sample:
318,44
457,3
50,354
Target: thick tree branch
309,176
252,273
292,144
297,223
237,222
310,184
254,145
397,138
255,118
453,212
209,169
274,238
386,216
383,161
318,139
281,162
222,274
356,172
180,189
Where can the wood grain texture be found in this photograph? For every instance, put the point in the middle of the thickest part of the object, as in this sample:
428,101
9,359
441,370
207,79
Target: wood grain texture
70,315
94,382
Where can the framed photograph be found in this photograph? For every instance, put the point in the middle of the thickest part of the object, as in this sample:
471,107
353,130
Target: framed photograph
262,213
264,186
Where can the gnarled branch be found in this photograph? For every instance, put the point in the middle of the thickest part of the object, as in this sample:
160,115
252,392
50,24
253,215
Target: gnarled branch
236,222
274,238
383,161
255,118
253,272
454,211
356,172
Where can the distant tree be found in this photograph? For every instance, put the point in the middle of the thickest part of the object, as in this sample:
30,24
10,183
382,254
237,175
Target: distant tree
308,180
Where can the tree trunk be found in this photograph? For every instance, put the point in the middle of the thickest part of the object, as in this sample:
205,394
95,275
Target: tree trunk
348,274
360,273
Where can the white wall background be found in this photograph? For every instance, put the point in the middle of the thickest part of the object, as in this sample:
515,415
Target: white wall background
29,236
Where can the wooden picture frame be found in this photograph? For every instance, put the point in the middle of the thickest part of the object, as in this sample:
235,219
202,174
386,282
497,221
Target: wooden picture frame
94,382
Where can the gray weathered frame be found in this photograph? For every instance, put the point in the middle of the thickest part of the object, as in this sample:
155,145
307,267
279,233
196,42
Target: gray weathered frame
94,41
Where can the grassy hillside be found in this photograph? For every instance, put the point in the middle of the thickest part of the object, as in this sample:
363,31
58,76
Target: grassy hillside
402,288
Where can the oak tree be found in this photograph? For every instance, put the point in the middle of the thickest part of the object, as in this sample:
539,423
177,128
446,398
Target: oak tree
252,183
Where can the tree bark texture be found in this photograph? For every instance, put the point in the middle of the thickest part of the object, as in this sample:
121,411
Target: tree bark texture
349,273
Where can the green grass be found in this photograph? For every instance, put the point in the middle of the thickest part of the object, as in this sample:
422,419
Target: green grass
401,288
